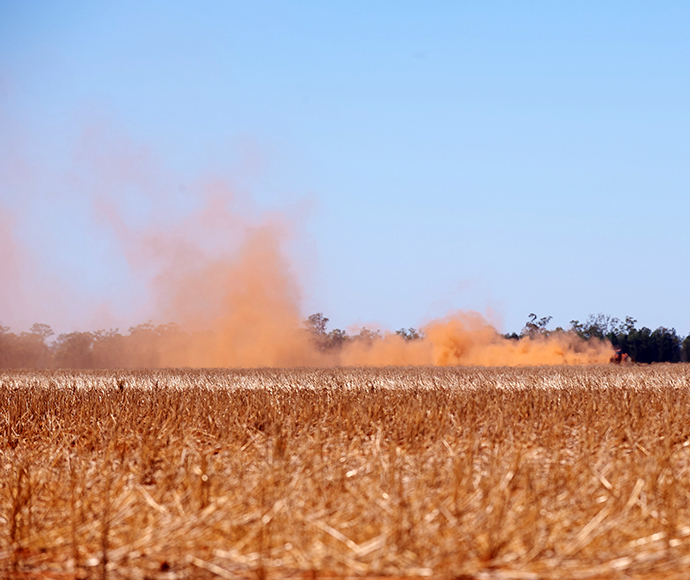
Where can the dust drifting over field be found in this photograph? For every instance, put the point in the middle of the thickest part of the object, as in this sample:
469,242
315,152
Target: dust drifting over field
10,293
210,262
249,302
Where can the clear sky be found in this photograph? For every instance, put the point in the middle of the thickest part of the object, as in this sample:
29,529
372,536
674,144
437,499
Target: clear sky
508,157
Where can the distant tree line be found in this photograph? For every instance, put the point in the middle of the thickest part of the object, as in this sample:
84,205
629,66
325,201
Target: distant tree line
317,324
141,346
89,350
641,345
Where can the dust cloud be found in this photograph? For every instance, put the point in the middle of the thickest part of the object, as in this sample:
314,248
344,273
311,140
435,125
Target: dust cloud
10,260
466,338
244,306
230,281
221,270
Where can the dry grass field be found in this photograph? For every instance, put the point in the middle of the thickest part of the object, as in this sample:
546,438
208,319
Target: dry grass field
551,472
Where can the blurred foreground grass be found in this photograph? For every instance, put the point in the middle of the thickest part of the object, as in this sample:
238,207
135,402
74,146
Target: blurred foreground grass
455,473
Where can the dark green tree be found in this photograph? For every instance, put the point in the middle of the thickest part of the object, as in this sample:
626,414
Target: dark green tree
409,333
599,326
366,335
666,345
536,326
316,324
336,339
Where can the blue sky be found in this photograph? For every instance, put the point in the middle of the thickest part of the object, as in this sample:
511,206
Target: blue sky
510,157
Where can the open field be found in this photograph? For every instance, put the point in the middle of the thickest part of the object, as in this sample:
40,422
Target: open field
547,472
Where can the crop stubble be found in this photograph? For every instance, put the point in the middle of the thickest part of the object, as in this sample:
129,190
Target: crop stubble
462,472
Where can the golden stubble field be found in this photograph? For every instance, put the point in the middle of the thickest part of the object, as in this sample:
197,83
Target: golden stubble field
551,472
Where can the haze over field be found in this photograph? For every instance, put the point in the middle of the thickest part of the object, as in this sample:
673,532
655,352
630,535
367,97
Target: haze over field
226,276
235,169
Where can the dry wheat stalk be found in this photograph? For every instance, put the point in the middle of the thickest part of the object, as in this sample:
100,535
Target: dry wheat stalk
486,473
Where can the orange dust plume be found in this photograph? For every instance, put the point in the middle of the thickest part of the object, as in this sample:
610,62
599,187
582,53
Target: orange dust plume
225,278
221,272
10,266
229,280
465,338
228,283
248,302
